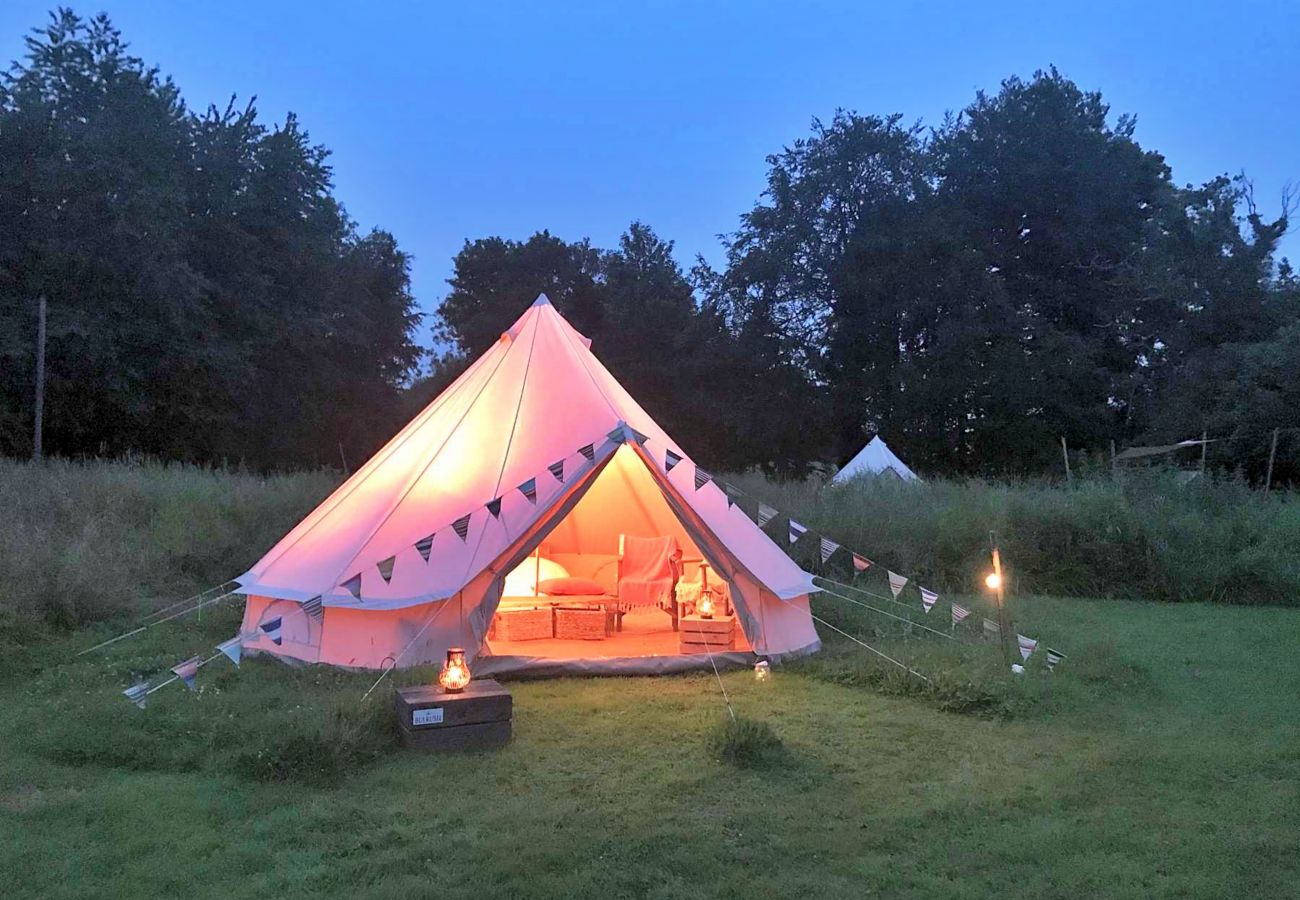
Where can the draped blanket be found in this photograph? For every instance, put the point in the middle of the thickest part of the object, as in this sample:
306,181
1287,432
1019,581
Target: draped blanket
649,565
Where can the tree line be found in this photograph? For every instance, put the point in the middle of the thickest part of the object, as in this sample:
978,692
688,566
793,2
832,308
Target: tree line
1022,271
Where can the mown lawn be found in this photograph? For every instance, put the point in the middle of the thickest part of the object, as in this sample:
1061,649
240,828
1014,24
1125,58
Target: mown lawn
1162,759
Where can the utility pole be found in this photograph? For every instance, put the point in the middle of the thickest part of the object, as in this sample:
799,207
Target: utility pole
1272,454
1065,454
38,449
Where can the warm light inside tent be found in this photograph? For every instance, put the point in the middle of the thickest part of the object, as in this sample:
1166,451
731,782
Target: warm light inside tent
993,581
454,676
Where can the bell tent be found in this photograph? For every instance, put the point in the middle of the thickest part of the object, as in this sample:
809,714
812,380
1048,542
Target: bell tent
875,459
536,516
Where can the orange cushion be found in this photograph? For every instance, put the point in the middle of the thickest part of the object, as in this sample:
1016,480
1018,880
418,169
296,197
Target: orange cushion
569,587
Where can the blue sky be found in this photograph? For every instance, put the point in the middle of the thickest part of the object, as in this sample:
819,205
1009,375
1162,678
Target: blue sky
460,120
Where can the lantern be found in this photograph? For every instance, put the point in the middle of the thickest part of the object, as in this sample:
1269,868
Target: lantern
762,670
455,672
993,581
705,606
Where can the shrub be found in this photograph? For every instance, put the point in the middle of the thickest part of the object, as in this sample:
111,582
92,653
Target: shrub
746,744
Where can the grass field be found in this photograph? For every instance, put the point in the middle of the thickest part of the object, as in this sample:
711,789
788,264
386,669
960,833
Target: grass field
1161,759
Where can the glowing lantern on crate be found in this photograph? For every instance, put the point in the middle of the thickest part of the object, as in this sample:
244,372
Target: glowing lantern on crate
705,606
454,676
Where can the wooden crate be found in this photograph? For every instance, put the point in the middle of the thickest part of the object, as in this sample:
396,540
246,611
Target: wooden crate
583,623
478,718
714,635
522,624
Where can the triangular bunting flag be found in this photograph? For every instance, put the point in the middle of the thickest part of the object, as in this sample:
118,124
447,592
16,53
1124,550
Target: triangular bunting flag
959,614
733,494
385,567
701,478
272,630
188,671
797,530
671,459
461,527
233,648
529,490
425,546
1053,657
314,609
557,469
589,451
828,549
861,563
927,598
638,436
1027,646
991,629
896,583
765,514
353,586
494,507
137,693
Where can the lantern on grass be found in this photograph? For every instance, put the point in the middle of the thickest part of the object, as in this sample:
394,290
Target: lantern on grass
454,676
705,606
762,670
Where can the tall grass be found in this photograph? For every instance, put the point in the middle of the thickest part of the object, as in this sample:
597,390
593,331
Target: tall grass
1142,536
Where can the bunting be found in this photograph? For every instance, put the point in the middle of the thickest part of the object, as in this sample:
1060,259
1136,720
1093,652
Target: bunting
1053,657
928,598
861,563
671,460
765,514
959,614
461,527
896,583
272,630
638,436
385,567
188,671
733,494
557,469
314,609
1027,646
137,693
529,490
991,629
797,530
589,451
494,507
425,546
701,478
828,549
353,586
233,648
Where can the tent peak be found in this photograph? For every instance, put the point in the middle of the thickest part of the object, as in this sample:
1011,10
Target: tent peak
542,300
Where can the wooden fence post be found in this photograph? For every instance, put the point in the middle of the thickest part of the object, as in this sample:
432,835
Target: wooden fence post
1065,453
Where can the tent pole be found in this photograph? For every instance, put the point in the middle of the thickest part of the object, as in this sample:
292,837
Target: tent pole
1004,625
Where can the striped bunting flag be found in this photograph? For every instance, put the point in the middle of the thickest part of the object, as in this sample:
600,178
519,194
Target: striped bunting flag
425,546
494,507
928,597
461,527
137,693
272,630
385,567
671,460
896,583
589,451
353,586
557,469
187,671
1027,646
765,514
991,629
638,436
529,490
861,563
1053,657
314,609
828,549
233,648
959,614
701,478
797,530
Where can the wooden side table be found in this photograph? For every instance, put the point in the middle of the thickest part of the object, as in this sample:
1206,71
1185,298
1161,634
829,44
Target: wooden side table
477,718
699,635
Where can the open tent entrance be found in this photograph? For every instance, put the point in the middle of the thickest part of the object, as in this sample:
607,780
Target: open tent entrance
620,576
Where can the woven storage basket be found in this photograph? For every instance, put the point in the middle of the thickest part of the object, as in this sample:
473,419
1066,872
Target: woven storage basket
522,624
581,624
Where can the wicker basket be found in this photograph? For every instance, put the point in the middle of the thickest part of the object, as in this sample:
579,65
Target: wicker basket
522,624
583,623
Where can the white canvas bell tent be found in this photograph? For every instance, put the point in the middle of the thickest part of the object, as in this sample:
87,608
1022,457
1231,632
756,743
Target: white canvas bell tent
534,455
875,459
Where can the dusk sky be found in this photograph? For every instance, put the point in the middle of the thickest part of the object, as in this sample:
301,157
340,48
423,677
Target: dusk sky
455,121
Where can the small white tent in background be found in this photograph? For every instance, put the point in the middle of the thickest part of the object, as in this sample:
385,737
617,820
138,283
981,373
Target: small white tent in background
875,459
